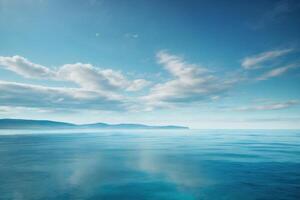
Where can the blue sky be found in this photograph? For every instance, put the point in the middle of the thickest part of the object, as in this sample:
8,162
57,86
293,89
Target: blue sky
203,64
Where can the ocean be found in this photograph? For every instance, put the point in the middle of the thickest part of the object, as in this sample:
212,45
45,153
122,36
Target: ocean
150,164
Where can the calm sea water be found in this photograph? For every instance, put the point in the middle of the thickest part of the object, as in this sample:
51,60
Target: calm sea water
186,164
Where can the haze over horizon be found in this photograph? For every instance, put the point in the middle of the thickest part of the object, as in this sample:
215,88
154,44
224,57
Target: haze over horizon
201,64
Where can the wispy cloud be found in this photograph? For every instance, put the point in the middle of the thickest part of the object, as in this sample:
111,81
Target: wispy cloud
84,75
189,83
97,88
107,89
25,68
26,95
255,61
269,106
277,72
90,77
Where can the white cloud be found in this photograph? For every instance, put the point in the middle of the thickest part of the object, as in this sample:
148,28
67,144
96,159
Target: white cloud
276,72
26,95
102,88
12,110
190,83
253,62
137,84
97,88
25,68
269,106
178,67
89,77
92,78
84,75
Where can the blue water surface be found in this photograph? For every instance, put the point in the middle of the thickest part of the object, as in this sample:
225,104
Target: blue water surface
152,164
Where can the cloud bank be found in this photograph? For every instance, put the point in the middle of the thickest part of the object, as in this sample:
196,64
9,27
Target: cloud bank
106,89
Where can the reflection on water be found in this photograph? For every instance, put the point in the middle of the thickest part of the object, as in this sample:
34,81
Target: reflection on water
186,164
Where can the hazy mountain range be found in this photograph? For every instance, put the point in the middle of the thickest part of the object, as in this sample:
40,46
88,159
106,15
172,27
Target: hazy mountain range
47,124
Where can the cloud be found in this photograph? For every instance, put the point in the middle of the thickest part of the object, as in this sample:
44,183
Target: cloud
92,78
189,83
97,88
137,84
12,110
107,89
25,68
26,95
253,62
84,75
269,106
277,72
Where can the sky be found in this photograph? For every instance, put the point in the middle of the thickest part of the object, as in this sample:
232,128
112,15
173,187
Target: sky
203,64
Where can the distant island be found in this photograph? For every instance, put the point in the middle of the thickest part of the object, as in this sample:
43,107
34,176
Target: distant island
47,124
